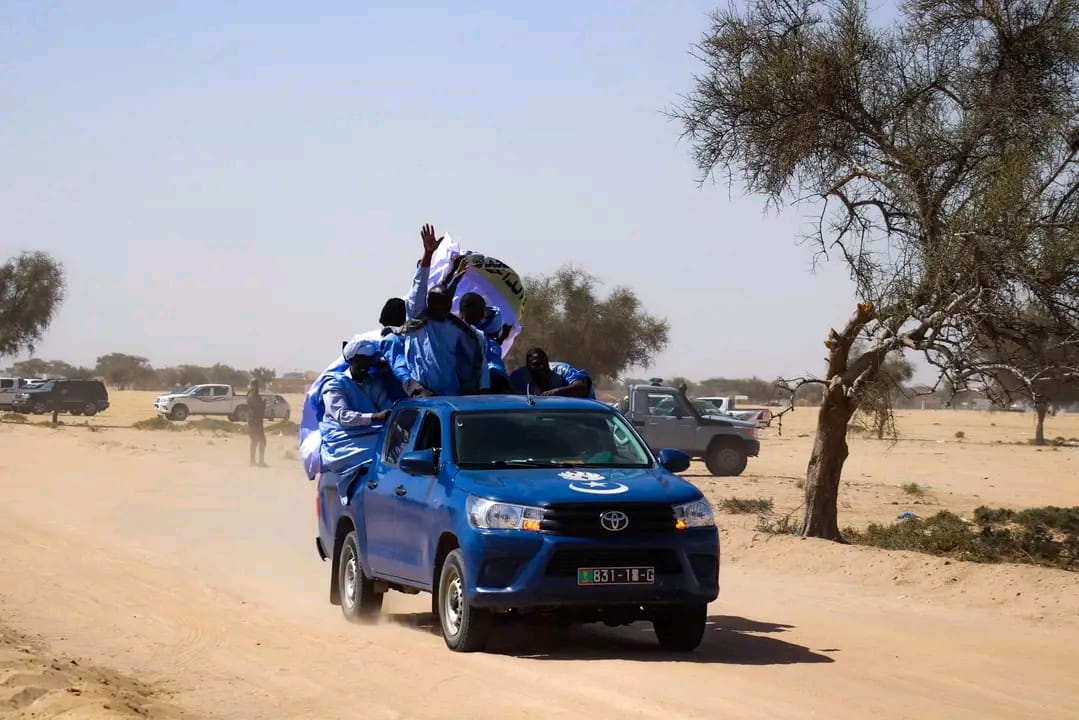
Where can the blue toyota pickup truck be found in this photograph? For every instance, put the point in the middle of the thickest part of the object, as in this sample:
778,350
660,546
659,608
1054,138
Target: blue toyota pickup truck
518,505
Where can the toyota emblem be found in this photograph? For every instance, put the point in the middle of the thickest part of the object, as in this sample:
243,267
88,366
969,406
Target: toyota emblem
614,520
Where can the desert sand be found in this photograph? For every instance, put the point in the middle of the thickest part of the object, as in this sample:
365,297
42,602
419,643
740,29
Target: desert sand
154,574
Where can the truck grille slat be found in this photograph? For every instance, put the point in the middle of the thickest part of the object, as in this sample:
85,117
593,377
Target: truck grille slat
583,519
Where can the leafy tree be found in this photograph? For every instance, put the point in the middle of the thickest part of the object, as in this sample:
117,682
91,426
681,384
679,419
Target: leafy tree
265,376
31,290
227,375
881,396
1027,354
941,152
32,368
124,371
565,316
59,368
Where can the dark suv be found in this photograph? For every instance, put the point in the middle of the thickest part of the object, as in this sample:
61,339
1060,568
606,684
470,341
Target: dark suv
78,397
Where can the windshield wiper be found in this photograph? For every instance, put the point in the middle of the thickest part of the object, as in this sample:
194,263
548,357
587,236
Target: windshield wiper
528,463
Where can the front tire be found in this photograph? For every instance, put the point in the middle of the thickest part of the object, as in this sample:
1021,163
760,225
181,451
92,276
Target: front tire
464,627
38,408
359,601
681,628
241,414
178,413
725,460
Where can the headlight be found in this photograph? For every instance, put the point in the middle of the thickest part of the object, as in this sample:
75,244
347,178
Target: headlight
694,514
494,515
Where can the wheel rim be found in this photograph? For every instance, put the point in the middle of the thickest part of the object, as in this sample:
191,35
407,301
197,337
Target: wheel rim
89,409
453,607
728,459
351,579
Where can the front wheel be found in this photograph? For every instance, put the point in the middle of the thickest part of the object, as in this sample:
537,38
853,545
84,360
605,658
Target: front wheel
359,601
38,408
178,413
725,460
241,414
464,627
681,628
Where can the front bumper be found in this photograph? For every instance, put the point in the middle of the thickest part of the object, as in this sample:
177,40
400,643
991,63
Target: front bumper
753,448
517,570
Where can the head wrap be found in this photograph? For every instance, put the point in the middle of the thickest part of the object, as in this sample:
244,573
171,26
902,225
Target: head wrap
360,346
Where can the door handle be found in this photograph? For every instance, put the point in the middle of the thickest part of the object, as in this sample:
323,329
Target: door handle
372,484
401,491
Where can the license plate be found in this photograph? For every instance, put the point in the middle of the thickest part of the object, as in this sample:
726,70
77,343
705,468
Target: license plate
616,576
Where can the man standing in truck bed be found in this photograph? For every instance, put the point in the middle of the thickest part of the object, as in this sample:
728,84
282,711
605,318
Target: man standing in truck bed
256,410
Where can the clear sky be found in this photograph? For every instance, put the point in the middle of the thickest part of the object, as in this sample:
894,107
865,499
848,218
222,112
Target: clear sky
244,182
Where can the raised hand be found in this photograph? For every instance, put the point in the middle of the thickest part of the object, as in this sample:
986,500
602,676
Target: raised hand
430,242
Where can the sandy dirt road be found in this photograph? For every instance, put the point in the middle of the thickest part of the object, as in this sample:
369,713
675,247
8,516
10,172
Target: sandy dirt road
162,557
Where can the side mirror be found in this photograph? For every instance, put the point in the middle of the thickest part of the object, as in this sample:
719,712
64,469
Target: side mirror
674,461
420,462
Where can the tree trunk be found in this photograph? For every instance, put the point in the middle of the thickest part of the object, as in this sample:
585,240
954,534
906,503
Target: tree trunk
1041,409
826,465
830,445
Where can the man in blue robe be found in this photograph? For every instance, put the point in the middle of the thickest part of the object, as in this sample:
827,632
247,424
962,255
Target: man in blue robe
540,376
353,404
491,334
440,354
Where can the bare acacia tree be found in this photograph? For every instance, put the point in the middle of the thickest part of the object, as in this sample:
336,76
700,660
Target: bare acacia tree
941,153
1023,353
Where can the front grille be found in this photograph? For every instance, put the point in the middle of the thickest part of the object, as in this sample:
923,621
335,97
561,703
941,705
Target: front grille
564,563
582,519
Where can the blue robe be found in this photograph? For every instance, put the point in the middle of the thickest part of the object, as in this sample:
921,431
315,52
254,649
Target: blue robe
346,448
562,374
444,356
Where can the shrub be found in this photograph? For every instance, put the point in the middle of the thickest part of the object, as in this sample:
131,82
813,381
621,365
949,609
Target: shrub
284,427
778,526
746,506
914,488
157,422
1038,536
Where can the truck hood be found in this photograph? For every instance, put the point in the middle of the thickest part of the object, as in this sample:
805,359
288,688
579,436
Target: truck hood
171,396
542,486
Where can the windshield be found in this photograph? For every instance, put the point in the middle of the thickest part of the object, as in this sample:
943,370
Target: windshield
530,438
705,407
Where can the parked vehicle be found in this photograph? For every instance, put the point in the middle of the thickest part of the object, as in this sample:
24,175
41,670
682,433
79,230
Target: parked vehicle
506,505
277,408
9,387
78,397
202,400
667,419
725,406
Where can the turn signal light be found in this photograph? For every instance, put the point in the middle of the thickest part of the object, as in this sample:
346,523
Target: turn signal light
680,524
530,524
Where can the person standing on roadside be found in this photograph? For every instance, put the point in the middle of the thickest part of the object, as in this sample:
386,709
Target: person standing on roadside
256,411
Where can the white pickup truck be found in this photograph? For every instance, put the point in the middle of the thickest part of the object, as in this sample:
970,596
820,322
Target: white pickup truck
219,400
